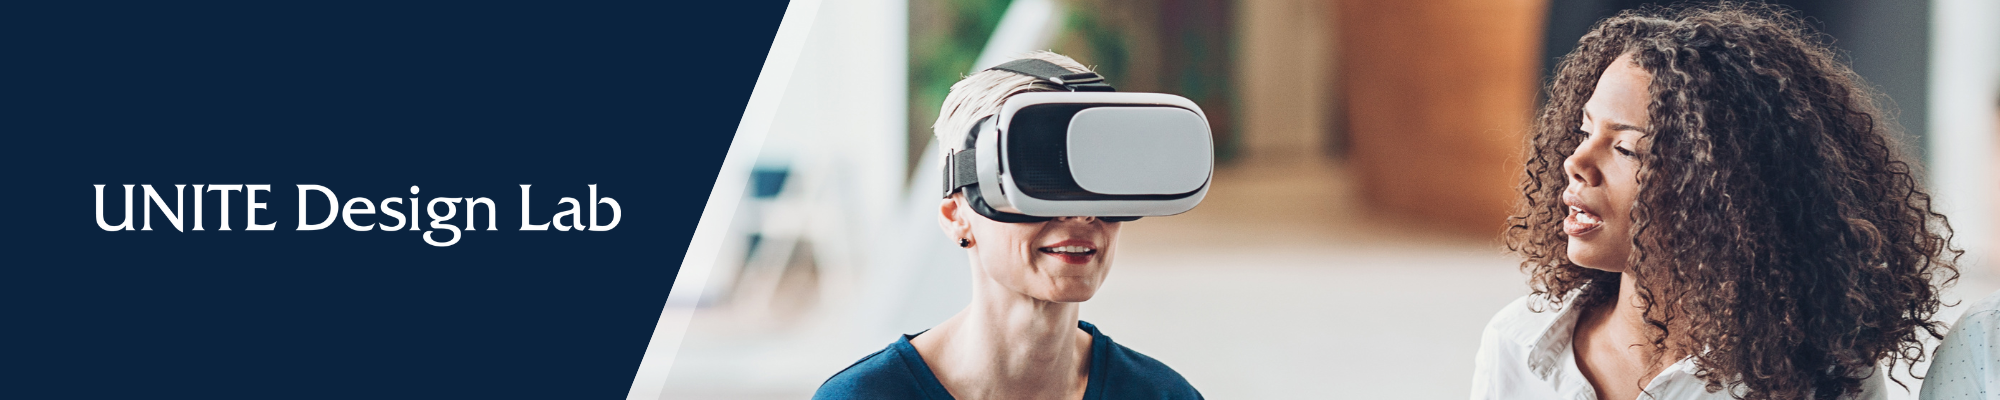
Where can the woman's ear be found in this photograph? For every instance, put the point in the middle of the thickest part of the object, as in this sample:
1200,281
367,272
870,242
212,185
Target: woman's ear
951,220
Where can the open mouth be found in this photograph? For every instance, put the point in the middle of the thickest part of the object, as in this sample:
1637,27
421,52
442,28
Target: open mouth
1070,252
1580,220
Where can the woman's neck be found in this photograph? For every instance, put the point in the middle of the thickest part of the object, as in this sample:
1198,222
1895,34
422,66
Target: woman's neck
1625,317
1614,345
1009,346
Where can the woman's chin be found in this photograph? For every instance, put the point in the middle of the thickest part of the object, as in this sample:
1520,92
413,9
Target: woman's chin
1070,292
1593,257
1062,297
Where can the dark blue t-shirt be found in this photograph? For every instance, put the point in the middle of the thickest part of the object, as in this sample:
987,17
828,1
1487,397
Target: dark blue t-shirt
897,372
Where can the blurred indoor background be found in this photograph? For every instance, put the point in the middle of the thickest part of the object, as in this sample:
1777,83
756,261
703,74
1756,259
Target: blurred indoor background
1349,245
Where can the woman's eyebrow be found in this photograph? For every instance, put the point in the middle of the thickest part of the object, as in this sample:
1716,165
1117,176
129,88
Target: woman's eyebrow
1624,127
1614,126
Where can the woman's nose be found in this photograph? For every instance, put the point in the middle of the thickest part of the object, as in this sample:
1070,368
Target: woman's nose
1582,166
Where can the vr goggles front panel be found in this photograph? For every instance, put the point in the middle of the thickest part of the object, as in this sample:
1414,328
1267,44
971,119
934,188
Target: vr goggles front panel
1116,156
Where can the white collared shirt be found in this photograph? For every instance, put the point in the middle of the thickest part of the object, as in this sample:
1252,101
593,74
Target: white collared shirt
1529,355
1967,366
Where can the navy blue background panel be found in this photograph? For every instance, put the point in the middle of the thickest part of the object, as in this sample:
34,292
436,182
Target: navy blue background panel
462,100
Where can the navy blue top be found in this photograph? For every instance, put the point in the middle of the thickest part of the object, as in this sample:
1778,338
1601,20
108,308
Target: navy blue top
897,372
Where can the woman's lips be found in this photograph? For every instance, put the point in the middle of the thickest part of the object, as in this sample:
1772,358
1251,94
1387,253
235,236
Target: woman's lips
1074,251
1581,220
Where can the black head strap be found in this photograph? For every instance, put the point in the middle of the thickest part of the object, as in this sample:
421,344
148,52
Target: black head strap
1056,74
961,168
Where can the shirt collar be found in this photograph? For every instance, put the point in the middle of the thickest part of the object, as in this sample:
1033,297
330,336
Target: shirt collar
1552,358
1551,350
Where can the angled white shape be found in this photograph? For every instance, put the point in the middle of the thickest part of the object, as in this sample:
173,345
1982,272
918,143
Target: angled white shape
703,249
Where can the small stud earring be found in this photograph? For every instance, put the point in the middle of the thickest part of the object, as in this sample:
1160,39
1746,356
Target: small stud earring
964,243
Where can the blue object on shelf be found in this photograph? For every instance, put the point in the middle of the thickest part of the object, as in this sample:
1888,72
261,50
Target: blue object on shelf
766,182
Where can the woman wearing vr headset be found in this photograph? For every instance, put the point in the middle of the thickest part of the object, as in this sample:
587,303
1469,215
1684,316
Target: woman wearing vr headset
1714,209
1020,338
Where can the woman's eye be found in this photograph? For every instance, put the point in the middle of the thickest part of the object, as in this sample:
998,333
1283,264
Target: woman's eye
1623,152
1580,132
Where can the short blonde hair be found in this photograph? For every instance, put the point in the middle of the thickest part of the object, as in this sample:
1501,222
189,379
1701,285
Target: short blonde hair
981,94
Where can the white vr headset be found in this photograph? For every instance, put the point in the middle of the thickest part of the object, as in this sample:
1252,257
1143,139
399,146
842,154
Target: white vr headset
1087,152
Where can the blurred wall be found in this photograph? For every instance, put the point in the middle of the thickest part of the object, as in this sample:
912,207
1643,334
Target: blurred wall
1282,57
1435,99
1964,84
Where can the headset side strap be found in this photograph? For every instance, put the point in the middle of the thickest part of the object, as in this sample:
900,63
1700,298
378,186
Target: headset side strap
963,169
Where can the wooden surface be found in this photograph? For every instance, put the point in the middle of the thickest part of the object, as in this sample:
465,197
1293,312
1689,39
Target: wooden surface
1436,98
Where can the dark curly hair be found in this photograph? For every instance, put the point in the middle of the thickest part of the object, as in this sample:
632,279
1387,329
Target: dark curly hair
1779,237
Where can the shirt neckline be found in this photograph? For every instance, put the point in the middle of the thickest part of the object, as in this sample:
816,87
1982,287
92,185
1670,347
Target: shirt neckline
1100,353
1552,358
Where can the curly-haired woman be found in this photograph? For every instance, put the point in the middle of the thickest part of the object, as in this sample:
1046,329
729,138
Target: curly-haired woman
1714,208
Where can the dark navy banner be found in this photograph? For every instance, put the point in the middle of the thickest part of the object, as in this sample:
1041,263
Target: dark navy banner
365,104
